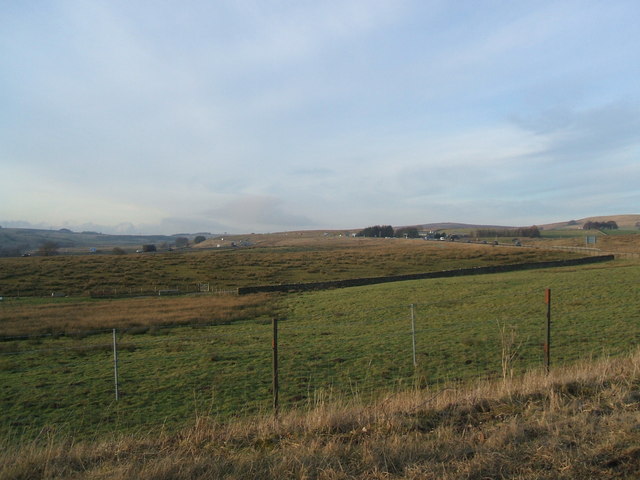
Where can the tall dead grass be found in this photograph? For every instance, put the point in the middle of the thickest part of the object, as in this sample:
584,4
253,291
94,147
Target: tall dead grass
578,422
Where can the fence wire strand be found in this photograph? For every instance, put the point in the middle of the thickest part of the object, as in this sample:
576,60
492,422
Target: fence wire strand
226,369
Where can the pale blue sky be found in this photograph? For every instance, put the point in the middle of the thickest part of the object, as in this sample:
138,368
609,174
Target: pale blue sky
255,116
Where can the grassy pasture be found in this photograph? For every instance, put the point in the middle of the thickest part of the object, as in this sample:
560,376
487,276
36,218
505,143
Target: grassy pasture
284,261
350,343
79,316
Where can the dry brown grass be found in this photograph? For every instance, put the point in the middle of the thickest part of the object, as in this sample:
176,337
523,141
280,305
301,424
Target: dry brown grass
66,317
617,244
580,422
286,259
620,243
284,239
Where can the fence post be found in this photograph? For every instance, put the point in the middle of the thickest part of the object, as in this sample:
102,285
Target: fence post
547,344
413,334
115,362
275,366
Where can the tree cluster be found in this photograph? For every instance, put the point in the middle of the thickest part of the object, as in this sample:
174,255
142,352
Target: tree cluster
529,232
408,232
182,242
377,231
610,225
48,249
386,231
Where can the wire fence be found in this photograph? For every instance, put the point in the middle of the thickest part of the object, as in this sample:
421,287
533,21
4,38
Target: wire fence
121,381
158,288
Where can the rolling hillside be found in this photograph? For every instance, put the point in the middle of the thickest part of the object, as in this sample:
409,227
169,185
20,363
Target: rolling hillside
627,222
16,241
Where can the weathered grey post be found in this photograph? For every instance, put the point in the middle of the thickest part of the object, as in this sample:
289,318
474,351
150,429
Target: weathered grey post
275,366
115,362
413,334
547,344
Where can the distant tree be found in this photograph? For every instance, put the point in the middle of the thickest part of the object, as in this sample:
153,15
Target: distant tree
377,231
408,232
531,232
48,248
149,248
608,225
199,239
182,242
118,251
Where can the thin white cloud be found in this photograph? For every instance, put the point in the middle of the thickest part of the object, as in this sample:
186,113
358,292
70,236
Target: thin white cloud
269,115
263,212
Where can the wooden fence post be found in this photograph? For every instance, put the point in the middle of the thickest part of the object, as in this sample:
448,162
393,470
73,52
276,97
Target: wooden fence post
115,363
275,366
547,344
413,334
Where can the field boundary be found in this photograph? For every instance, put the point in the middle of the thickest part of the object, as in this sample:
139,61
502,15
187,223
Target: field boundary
459,272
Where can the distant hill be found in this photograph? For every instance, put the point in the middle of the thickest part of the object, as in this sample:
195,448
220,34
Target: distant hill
454,226
15,241
627,222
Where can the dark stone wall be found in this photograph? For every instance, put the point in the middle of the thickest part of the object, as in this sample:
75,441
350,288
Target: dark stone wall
357,282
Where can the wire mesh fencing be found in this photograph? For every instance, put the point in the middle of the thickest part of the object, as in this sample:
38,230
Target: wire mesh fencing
128,381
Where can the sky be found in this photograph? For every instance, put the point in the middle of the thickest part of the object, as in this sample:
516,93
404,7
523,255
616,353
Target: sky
164,117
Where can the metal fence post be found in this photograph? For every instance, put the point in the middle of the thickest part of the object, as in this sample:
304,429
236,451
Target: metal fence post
115,362
547,344
413,334
275,366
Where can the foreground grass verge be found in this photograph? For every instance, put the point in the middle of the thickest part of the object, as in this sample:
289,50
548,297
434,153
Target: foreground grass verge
578,422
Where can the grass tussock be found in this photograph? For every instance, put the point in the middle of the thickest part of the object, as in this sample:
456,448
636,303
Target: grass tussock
579,422
73,317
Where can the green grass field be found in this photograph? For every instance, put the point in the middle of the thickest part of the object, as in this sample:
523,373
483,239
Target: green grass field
352,342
